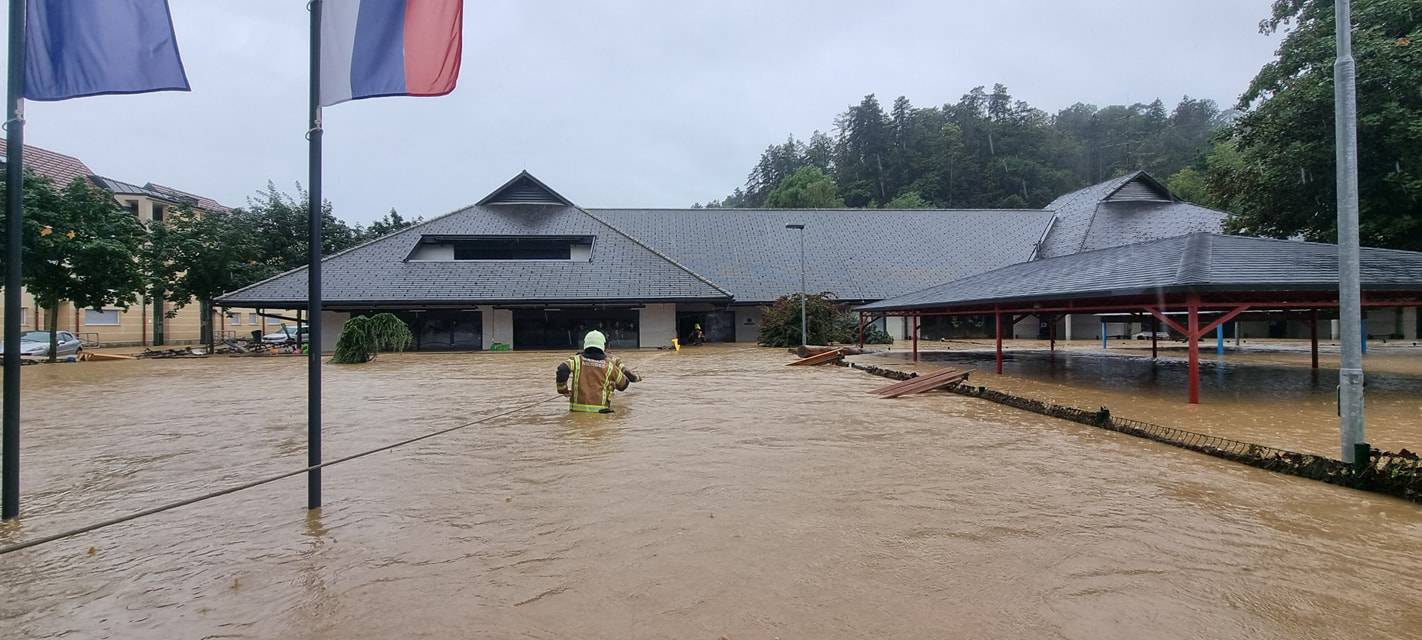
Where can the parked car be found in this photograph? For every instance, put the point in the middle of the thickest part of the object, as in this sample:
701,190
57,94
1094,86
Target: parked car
285,335
1145,335
36,344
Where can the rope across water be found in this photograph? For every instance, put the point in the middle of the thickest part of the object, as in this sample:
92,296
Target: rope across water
257,483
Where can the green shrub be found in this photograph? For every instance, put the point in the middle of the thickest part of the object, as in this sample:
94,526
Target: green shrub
364,336
827,319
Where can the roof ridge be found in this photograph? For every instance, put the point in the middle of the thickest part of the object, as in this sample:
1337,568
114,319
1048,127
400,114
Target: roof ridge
829,209
1195,260
657,253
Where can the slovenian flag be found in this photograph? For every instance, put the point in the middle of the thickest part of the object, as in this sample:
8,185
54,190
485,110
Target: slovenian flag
82,48
374,48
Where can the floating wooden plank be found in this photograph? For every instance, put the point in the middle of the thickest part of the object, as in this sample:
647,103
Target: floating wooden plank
921,384
819,358
916,380
95,356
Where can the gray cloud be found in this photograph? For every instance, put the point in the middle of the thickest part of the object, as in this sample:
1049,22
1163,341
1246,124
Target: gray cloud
623,103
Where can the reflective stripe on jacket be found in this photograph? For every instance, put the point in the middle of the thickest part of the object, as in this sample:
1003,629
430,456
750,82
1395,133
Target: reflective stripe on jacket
592,383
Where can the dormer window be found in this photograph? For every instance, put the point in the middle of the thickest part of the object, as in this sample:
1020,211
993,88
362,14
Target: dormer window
503,248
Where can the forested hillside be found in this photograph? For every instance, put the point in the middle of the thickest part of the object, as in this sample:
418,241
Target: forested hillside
986,150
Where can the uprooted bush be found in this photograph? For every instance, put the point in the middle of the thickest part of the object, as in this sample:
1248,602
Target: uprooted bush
364,336
828,322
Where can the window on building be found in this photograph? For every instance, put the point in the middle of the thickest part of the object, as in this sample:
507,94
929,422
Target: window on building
101,316
234,318
562,248
271,320
132,207
252,319
24,315
158,212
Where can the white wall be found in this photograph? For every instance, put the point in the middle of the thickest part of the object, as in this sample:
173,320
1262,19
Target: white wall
1026,328
331,324
497,326
749,333
899,327
656,325
1085,327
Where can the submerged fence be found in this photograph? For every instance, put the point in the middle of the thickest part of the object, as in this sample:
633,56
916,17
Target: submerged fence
1393,473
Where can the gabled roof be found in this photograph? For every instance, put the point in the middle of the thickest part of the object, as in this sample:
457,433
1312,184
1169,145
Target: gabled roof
59,168
1128,209
1198,262
378,273
202,202
524,189
856,254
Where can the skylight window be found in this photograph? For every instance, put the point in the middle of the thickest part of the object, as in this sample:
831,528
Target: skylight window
503,248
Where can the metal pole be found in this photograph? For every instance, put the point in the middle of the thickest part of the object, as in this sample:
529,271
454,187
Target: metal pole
1154,329
804,325
1313,335
915,338
14,227
1350,308
1219,339
997,323
1192,325
313,273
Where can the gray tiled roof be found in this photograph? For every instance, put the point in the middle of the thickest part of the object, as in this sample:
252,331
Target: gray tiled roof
1195,262
621,268
857,254
1087,219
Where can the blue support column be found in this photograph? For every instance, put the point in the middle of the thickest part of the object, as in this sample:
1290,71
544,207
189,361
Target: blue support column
1219,339
1103,334
1365,338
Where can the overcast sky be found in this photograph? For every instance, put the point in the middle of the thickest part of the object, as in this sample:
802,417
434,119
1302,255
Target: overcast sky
652,103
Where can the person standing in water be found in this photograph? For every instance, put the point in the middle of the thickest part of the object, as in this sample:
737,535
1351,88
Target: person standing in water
590,377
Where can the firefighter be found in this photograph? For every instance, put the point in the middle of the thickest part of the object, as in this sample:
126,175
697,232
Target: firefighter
590,377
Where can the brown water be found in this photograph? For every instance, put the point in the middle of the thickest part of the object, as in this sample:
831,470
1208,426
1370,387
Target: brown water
1266,394
728,497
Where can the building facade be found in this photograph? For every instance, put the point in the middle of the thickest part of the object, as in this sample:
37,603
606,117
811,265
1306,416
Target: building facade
143,322
526,268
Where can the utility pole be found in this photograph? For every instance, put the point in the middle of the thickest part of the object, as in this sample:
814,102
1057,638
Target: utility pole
804,325
1350,307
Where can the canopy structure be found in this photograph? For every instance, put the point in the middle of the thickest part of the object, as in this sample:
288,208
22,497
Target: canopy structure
1201,273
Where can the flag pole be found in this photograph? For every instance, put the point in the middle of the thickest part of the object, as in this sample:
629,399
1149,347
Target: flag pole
14,227
1350,308
313,272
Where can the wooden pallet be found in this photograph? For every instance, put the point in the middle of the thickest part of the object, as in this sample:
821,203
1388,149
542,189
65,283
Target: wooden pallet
920,384
819,358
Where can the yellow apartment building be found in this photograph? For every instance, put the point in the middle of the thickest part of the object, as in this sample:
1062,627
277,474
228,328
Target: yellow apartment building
143,322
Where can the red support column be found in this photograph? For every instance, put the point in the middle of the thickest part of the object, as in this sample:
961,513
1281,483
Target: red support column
1193,327
1313,334
997,320
1154,329
915,338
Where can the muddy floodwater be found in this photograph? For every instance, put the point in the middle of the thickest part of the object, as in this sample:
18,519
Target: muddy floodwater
1266,394
729,496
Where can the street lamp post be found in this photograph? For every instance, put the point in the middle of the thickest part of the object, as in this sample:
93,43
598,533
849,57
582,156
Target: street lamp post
1350,321
804,326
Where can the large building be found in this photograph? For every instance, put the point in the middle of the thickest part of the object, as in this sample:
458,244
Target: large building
143,322
527,268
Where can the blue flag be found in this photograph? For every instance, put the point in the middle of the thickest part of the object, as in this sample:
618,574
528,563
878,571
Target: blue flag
77,48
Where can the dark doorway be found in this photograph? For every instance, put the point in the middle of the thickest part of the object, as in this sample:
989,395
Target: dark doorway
717,326
564,329
444,330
